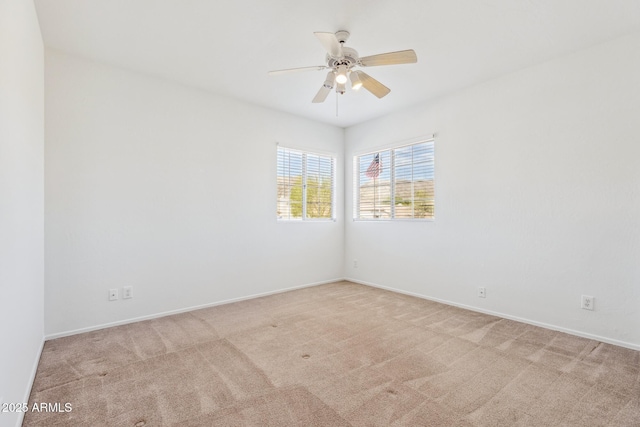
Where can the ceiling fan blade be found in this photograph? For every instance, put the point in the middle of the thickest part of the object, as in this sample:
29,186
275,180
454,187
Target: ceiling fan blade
372,85
330,44
391,58
321,95
293,70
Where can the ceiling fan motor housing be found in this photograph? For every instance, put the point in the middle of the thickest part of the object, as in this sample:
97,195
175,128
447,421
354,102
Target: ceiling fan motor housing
349,58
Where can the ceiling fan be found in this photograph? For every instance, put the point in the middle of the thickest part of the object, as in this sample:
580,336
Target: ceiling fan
342,61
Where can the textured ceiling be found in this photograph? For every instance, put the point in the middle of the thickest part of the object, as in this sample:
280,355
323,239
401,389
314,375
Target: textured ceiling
227,47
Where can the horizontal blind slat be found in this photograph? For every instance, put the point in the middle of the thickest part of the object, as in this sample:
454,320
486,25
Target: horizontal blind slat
412,183
294,169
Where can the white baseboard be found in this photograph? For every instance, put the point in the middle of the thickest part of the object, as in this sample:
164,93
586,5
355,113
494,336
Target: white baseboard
182,310
362,282
32,379
631,346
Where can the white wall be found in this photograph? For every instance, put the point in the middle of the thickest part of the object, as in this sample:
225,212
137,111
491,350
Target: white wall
170,190
537,196
21,201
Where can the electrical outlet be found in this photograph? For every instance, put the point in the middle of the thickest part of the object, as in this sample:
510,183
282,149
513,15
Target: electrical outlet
482,292
127,292
113,294
587,302
355,263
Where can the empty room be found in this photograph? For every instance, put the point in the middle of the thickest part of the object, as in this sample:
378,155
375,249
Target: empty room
339,213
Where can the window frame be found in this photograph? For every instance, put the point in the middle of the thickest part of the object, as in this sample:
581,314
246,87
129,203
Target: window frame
305,175
391,148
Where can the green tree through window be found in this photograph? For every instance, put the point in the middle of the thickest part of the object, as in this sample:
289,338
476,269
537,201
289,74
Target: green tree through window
305,185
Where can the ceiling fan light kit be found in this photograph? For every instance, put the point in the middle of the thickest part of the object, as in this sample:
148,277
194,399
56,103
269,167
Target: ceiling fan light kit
342,60
341,76
356,83
331,80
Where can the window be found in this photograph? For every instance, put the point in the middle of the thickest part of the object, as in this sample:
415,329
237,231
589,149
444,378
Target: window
305,185
403,175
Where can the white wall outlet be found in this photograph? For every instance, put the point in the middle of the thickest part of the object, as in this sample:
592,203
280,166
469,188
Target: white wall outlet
113,294
587,302
355,263
127,292
482,292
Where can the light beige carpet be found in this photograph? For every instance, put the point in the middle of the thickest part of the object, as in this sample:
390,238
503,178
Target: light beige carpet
335,355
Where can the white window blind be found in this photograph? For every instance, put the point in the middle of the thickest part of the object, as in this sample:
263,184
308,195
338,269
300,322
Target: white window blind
396,183
305,185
